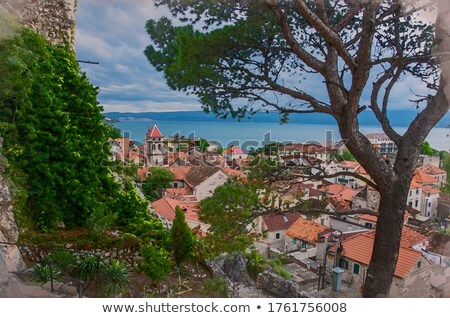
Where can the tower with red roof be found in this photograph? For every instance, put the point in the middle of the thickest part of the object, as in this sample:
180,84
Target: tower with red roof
156,146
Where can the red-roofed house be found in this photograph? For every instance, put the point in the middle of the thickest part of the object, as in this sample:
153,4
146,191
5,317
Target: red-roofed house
273,227
164,209
412,273
430,201
340,191
302,238
235,153
439,174
424,179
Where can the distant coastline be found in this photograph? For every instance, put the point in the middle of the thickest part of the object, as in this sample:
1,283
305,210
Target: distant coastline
398,118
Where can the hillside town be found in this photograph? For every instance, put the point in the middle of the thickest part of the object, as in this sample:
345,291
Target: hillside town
423,268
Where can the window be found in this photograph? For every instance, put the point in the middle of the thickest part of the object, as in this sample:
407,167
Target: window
356,268
175,185
417,191
429,204
277,236
343,263
294,241
159,146
410,203
410,192
368,225
303,244
419,264
417,203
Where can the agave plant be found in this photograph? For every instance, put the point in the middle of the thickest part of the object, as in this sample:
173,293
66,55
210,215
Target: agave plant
87,267
42,275
115,278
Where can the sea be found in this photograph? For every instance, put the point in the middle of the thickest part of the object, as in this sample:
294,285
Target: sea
250,133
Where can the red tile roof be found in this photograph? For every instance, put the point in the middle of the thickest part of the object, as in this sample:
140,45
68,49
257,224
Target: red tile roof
154,132
429,189
359,248
235,150
350,164
165,207
306,230
408,239
422,177
142,173
431,169
368,217
341,191
277,222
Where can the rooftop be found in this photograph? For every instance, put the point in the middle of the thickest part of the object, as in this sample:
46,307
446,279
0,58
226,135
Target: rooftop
154,132
359,248
306,230
165,207
431,169
422,177
277,222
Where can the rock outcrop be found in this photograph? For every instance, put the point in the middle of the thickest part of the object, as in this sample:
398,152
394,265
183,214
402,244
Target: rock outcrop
54,19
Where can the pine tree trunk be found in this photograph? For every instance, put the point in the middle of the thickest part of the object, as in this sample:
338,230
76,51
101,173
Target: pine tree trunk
387,241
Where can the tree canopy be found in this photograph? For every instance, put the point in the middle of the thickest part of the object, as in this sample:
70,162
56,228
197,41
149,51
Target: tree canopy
158,180
304,56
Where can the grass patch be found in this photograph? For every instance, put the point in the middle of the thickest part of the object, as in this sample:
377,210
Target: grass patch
214,286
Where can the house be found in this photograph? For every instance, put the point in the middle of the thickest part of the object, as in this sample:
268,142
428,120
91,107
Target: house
164,209
340,193
422,178
382,143
439,174
415,195
273,229
412,273
235,153
427,159
347,166
203,180
430,202
302,238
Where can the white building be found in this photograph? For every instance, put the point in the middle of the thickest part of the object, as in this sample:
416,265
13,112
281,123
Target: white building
382,143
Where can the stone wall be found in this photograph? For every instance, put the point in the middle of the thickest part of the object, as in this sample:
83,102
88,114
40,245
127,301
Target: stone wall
278,286
129,255
54,19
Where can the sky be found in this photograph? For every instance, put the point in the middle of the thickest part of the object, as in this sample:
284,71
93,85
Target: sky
112,32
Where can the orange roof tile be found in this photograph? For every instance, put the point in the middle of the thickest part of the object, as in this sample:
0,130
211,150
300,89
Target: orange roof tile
429,189
350,164
233,172
341,190
166,208
415,185
422,177
142,173
180,173
408,239
368,217
276,222
431,169
359,248
306,230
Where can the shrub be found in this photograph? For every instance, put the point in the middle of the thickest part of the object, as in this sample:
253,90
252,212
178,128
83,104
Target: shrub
155,262
215,285
63,260
256,264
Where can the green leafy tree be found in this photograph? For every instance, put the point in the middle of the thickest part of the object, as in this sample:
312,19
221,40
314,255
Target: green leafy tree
158,180
229,212
202,144
253,55
53,131
182,237
155,262
426,149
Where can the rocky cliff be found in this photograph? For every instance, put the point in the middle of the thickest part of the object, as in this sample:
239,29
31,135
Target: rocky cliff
55,19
